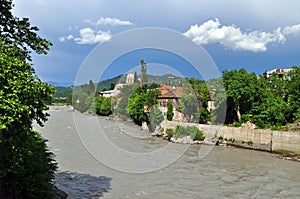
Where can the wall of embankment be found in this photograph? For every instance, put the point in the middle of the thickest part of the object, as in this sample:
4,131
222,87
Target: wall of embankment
259,139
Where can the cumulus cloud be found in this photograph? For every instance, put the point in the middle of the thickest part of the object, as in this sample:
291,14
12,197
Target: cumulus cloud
109,21
89,36
64,38
291,30
234,38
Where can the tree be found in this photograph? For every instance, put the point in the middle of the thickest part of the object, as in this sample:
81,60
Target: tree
142,100
189,105
19,33
26,166
105,106
155,118
91,88
143,72
203,115
240,89
169,110
293,88
121,107
135,78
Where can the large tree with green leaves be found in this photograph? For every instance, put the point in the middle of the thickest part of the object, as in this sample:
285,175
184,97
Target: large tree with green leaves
26,167
293,88
144,97
240,89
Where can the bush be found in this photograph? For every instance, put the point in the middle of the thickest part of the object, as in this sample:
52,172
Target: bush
199,135
191,131
260,124
250,142
156,117
170,133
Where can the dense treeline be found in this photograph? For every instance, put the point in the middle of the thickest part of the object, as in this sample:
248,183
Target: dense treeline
266,101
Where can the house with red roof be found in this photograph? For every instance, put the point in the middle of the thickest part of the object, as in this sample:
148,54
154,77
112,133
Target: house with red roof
170,93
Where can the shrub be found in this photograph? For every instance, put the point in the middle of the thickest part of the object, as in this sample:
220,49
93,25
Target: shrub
199,135
191,131
170,133
250,142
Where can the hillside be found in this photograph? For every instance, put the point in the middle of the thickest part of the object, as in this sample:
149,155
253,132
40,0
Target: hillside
62,92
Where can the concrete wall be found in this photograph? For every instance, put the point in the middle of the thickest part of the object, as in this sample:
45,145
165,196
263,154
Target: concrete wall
289,141
263,139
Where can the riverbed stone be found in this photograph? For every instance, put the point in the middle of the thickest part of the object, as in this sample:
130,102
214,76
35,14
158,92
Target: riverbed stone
58,194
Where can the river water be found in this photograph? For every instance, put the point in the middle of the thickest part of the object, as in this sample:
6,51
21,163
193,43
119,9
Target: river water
141,166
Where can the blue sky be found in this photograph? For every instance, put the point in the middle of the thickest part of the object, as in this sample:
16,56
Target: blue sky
255,35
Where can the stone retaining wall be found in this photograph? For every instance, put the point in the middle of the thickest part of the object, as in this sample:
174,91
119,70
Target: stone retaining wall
260,139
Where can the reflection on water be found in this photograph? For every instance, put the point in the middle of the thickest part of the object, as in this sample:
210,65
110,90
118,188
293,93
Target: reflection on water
224,173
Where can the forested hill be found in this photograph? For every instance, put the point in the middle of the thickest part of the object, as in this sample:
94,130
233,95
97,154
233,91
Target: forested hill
62,92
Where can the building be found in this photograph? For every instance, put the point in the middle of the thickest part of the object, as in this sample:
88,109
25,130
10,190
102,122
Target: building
129,79
279,71
116,91
170,93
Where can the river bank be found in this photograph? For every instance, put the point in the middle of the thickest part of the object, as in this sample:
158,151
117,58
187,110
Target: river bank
282,143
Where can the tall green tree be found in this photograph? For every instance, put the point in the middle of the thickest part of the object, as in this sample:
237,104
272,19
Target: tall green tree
189,106
293,90
170,110
26,166
142,100
143,72
240,89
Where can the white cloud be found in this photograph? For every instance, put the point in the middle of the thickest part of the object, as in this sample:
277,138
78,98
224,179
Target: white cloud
64,38
294,30
232,37
89,36
109,21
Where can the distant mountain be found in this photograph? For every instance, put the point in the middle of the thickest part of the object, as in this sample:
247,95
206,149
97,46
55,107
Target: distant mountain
61,84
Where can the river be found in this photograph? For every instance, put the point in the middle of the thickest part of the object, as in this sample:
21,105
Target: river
141,166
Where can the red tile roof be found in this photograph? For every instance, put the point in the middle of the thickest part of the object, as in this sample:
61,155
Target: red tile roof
169,91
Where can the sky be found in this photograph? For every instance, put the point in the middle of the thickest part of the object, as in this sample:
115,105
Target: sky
256,35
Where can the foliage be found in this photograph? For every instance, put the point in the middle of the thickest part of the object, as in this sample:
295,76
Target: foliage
156,117
199,135
81,101
200,89
189,105
267,101
192,131
240,89
121,106
293,88
140,102
26,167
169,110
143,72
104,107
204,115
62,92
136,107
170,133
